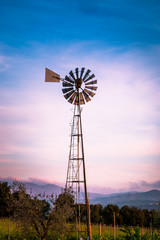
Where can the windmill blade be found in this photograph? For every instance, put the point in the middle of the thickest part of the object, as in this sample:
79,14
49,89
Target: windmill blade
69,94
92,82
92,88
76,102
76,72
89,92
68,79
72,98
86,74
86,96
66,84
82,71
65,90
81,99
72,75
92,76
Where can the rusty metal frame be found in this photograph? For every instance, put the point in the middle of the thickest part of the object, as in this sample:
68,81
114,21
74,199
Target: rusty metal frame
76,173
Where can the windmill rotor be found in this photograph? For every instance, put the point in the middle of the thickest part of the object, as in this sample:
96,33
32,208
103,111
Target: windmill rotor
79,86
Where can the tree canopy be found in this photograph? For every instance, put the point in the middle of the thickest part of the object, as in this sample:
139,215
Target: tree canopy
5,198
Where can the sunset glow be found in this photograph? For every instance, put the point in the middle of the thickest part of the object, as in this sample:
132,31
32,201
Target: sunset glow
121,125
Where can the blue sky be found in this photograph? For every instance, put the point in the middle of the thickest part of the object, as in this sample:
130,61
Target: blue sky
118,23
120,42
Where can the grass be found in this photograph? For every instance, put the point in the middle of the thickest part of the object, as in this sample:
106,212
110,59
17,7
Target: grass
14,230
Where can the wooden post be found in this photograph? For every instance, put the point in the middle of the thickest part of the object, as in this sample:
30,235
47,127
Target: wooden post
89,221
9,228
114,218
116,231
151,227
100,230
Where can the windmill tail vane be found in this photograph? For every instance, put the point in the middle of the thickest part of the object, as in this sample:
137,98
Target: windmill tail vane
78,88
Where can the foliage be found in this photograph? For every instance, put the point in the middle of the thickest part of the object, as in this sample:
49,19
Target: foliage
107,233
64,199
46,217
156,219
30,212
108,212
5,198
35,214
136,234
96,213
62,213
132,233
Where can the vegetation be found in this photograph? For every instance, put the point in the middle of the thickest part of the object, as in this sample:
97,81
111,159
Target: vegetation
24,217
34,216
5,199
107,233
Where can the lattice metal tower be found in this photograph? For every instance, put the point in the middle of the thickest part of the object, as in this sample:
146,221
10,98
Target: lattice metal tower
77,88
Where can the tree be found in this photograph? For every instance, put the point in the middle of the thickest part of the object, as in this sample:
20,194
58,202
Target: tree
108,214
137,217
63,212
65,199
125,213
5,197
147,218
29,211
96,213
38,213
156,219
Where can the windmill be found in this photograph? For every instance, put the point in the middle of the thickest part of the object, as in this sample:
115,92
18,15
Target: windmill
78,88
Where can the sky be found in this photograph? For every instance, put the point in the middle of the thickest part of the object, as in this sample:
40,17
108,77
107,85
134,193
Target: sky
120,42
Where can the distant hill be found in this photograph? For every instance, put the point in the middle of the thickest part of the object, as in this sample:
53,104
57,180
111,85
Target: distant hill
148,200
142,200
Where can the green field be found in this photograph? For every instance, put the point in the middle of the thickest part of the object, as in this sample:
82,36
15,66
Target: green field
12,230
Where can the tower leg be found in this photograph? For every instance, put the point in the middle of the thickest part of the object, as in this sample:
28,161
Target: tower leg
76,173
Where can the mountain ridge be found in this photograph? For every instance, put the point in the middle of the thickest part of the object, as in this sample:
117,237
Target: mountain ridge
149,199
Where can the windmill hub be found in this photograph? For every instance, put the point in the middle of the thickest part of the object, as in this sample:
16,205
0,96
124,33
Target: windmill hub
79,86
78,83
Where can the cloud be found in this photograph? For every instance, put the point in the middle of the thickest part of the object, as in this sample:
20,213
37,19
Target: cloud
155,184
4,63
35,180
140,186
40,181
144,186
